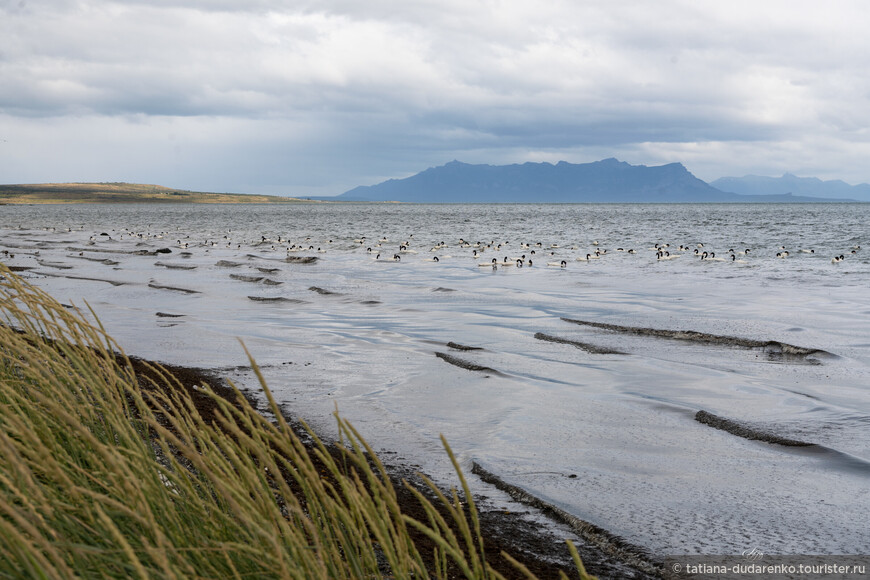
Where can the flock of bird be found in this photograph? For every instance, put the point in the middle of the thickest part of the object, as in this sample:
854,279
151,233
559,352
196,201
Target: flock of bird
381,249
532,254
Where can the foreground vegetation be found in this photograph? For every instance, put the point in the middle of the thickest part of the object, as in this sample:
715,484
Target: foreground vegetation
108,473
123,193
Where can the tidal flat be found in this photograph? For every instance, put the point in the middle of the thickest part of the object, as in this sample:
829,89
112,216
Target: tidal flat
606,432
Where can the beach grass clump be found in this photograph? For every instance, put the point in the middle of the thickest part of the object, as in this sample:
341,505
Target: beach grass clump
106,472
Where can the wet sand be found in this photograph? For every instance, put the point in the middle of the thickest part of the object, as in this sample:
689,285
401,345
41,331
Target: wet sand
532,544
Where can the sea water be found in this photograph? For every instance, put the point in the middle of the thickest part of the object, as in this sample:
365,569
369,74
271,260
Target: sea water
579,390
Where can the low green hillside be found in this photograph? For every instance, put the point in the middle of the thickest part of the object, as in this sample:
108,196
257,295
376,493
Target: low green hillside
123,193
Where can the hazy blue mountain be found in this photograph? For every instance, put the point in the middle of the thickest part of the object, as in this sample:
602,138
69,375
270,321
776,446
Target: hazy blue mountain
606,181
788,183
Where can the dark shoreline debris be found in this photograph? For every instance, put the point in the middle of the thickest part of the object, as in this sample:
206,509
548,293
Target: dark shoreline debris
105,261
54,265
71,277
746,431
172,288
590,348
175,266
324,291
613,546
102,250
456,346
276,299
772,347
243,278
300,259
464,364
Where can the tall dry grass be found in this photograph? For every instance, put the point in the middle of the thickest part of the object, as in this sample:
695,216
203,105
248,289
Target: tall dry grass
106,474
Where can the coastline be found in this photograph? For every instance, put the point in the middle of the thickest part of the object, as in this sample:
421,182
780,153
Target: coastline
535,545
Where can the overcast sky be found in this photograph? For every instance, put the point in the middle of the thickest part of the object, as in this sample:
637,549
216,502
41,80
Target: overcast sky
317,97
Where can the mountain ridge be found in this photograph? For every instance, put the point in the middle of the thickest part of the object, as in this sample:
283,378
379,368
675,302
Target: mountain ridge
605,181
790,183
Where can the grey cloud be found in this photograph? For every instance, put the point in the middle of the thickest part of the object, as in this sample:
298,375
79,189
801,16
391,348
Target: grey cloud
389,87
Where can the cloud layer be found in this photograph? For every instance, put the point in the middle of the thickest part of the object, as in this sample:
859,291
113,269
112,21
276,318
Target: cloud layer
317,97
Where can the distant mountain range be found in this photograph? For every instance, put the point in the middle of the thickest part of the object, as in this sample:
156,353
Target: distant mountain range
606,181
792,184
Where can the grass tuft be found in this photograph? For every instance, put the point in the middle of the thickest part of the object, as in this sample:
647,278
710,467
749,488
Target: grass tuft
108,473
